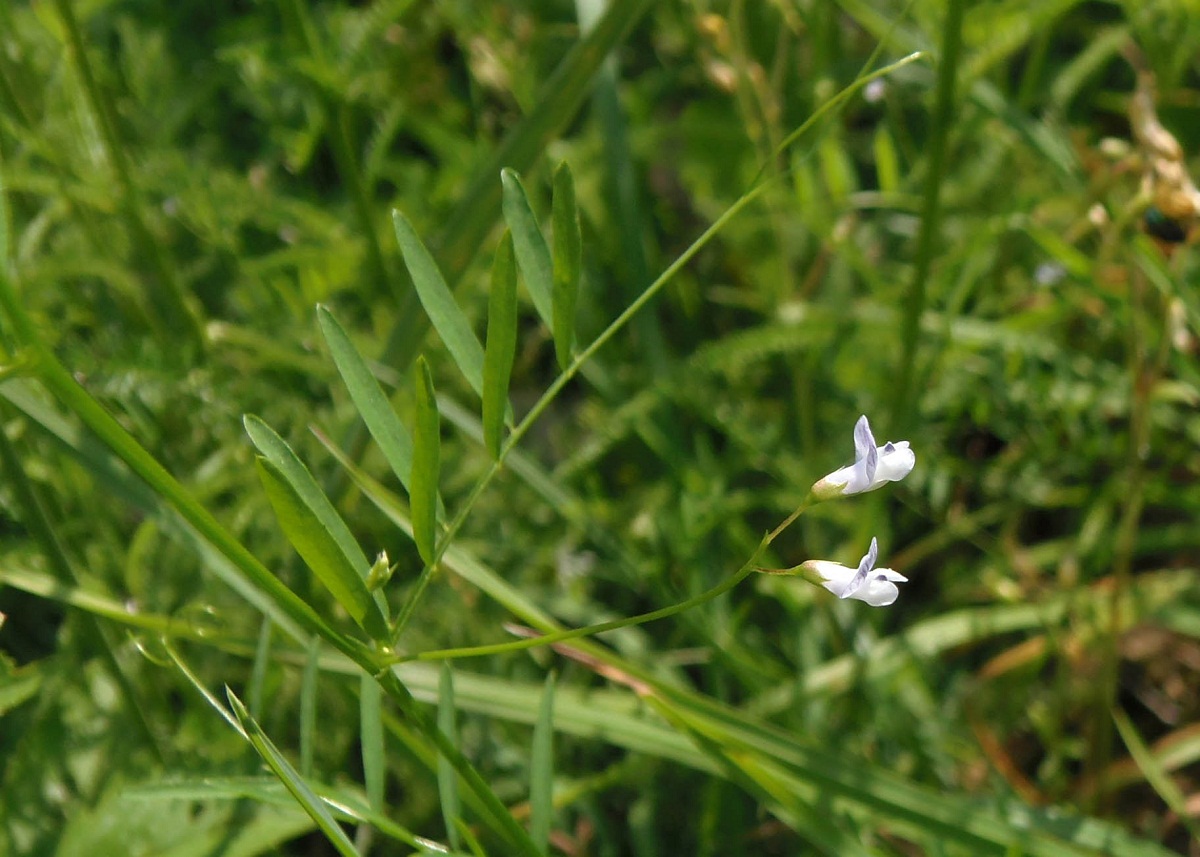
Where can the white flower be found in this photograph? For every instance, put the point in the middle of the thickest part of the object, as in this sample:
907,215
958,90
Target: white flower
876,586
871,468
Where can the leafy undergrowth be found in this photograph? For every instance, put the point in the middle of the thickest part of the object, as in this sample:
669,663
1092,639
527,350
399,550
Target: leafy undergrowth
934,215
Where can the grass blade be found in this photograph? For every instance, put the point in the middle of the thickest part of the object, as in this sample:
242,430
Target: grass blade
426,465
258,670
313,805
541,782
568,253
1154,773
374,758
320,550
501,344
533,255
377,412
308,706
444,313
447,778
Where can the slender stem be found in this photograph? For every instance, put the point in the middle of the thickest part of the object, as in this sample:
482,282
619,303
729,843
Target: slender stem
931,210
550,638
1142,375
586,631
790,519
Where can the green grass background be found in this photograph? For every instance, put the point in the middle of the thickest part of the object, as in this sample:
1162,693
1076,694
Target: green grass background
184,182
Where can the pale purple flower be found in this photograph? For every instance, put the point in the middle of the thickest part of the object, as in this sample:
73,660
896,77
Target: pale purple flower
875,586
872,465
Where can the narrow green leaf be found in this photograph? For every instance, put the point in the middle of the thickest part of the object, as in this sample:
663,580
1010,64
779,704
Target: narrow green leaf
447,778
568,253
377,412
447,318
308,706
5,229
313,805
533,255
426,464
317,506
370,709
501,344
541,782
202,689
320,550
887,162
1155,774
258,672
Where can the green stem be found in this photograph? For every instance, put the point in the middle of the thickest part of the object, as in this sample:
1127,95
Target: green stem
550,638
588,630
943,116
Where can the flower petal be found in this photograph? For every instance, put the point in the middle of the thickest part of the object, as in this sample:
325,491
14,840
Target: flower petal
865,451
873,466
896,461
880,591
865,565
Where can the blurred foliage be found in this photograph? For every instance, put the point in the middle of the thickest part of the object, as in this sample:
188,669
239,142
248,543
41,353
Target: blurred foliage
181,200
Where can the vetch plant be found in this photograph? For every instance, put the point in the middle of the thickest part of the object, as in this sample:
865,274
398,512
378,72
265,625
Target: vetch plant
872,466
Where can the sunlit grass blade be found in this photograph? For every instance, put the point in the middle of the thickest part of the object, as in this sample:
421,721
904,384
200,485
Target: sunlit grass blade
426,464
377,412
541,770
291,779
501,344
444,312
374,758
875,793
533,254
567,262
320,551
446,775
